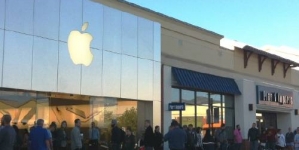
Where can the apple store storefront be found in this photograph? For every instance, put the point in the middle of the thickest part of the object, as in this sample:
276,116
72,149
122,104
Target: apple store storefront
88,61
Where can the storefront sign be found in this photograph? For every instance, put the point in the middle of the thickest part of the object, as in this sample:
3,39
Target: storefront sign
274,97
176,106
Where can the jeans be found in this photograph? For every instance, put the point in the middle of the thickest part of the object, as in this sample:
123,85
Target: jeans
237,146
254,145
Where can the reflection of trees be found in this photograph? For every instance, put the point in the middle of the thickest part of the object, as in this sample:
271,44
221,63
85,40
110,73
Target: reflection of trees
129,118
108,115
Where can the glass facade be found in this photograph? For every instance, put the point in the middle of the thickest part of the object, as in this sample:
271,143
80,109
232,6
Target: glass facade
204,109
26,107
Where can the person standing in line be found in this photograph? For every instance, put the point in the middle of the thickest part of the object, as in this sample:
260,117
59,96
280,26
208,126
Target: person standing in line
238,138
129,143
296,140
94,137
39,138
148,136
290,139
208,141
222,137
76,139
199,145
115,136
253,136
18,142
158,139
280,140
62,136
7,134
176,137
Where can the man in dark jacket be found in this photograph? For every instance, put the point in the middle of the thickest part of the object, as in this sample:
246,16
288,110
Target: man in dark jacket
149,137
115,136
253,136
176,137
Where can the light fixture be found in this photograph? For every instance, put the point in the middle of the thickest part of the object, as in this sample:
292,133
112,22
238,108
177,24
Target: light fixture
261,120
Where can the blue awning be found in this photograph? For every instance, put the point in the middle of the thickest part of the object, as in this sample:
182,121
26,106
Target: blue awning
205,82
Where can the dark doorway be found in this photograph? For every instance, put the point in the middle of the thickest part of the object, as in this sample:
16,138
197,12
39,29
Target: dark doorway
265,120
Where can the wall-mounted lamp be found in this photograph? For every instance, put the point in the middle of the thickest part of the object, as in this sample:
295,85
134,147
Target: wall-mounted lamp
250,107
296,112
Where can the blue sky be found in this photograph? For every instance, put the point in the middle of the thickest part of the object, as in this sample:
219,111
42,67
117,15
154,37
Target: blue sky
255,22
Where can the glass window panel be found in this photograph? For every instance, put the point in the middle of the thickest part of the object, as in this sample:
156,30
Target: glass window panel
229,121
93,14
145,79
188,116
46,18
111,74
216,100
42,105
203,112
69,74
228,101
70,18
112,30
129,34
175,97
145,38
91,80
45,61
129,77
20,105
19,16
157,41
17,65
1,51
2,14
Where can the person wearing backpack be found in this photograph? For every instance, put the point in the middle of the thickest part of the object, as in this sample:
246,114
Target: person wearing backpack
253,136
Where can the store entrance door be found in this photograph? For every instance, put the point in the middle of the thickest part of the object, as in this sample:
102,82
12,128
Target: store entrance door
265,120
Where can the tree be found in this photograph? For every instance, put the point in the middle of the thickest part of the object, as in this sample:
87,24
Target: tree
129,118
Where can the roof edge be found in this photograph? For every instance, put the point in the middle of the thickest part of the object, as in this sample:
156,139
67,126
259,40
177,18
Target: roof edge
171,18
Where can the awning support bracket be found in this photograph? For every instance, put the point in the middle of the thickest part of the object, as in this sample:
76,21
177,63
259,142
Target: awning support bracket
286,67
273,65
261,60
247,55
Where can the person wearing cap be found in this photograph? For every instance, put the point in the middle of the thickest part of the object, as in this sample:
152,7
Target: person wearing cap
115,136
176,137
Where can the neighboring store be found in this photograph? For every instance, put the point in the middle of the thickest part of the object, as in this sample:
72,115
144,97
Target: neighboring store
111,71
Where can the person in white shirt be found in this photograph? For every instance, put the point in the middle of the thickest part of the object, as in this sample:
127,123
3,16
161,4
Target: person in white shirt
280,140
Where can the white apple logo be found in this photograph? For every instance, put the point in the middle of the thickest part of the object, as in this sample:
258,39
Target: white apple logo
79,46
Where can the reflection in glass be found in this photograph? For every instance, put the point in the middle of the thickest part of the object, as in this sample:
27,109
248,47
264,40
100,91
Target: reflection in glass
45,61
129,34
69,74
17,65
19,16
111,74
46,18
188,116
93,14
175,97
229,121
1,50
157,41
70,18
112,30
2,14
203,112
129,77
91,79
145,38
145,79
228,101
